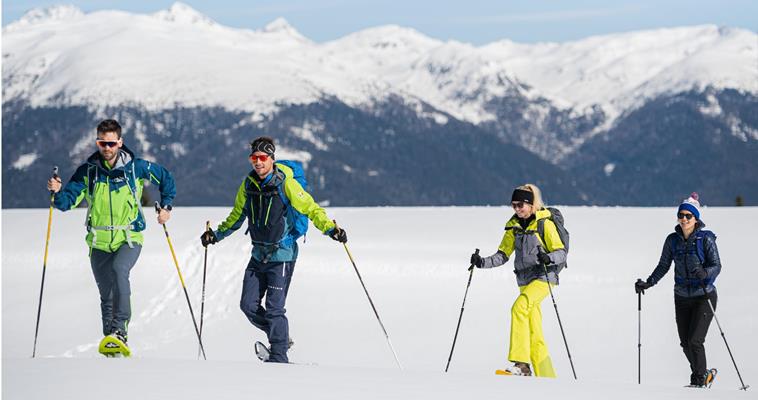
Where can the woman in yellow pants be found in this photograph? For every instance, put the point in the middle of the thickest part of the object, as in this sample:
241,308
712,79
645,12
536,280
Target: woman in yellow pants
534,238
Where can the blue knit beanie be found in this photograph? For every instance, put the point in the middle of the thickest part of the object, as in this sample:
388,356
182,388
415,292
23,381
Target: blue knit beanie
692,205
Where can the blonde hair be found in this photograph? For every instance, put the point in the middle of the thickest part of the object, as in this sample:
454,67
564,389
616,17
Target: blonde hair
538,203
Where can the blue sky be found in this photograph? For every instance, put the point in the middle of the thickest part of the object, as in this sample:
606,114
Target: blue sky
473,21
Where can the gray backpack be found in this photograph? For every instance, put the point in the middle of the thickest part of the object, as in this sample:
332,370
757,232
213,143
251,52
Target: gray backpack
557,218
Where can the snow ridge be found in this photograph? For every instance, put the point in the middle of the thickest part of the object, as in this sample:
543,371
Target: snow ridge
181,57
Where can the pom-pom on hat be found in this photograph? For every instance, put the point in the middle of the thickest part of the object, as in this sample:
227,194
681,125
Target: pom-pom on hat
691,204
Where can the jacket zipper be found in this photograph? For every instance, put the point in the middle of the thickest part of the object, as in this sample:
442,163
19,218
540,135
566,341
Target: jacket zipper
110,206
265,223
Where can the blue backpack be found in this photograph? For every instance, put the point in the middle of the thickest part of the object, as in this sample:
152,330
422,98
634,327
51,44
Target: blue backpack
699,238
300,219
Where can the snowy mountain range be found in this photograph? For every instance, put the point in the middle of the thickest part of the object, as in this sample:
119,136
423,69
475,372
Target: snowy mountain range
588,119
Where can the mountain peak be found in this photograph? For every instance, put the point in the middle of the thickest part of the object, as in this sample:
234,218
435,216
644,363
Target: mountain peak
282,27
278,25
182,13
46,14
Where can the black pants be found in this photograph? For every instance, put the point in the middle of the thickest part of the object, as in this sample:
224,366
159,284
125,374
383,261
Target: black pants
693,317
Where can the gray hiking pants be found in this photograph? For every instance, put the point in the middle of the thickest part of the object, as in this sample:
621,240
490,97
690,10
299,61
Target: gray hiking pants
111,272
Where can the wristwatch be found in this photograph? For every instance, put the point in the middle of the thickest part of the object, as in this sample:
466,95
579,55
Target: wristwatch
168,207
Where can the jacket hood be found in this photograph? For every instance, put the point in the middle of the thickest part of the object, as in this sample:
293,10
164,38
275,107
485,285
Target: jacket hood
125,156
540,214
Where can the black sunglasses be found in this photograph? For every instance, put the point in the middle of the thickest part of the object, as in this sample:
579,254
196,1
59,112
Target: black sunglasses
683,215
106,143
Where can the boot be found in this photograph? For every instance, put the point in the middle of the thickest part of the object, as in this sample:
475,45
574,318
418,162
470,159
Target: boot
518,369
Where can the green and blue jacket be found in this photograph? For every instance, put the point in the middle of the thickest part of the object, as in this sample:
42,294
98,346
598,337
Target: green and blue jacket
114,213
269,206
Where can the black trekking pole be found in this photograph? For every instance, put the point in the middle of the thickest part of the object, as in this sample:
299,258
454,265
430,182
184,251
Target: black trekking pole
455,338
386,335
202,298
44,262
181,279
555,305
639,335
713,310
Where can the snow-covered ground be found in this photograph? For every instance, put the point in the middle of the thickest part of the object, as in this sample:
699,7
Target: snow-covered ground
413,261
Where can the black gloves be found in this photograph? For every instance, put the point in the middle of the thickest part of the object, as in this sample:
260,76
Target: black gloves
640,286
208,237
700,273
476,260
544,258
338,234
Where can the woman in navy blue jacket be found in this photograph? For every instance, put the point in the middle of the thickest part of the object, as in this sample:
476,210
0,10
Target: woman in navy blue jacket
696,266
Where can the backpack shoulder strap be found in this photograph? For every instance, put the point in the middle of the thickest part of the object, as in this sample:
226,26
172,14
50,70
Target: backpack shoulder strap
700,239
541,229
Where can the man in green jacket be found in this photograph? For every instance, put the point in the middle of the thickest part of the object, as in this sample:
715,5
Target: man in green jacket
272,201
111,181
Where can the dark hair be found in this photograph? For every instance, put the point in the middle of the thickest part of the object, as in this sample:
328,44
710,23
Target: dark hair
109,125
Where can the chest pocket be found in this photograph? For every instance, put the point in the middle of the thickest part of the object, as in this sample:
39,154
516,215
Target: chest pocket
687,253
526,248
267,220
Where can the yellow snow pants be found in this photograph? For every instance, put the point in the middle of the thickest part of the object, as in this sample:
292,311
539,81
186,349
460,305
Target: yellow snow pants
527,343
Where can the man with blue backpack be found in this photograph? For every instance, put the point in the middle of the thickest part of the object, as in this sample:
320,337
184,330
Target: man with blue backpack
274,201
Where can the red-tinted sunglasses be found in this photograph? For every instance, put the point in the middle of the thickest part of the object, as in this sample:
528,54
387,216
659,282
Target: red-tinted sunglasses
106,143
262,157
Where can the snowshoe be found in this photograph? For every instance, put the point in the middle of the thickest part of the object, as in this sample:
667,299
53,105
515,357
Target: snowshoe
517,369
710,376
262,352
114,345
707,380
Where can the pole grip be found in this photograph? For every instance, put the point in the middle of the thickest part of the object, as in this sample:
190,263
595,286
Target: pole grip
55,176
157,207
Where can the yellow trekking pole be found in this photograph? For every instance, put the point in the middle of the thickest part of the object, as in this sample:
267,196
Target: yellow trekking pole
181,279
44,262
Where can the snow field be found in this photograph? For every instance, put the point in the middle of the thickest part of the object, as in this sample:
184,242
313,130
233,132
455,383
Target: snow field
413,261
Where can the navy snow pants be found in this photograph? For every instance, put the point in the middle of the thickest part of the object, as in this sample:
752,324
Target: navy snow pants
271,280
111,272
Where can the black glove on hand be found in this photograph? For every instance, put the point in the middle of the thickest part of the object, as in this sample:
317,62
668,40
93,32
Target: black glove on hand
640,286
476,260
339,235
700,273
208,237
544,258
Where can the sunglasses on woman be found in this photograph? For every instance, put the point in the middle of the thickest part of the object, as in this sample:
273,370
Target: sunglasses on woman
683,215
518,204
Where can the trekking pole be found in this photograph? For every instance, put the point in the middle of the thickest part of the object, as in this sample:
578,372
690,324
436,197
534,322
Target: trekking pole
386,335
181,279
555,305
639,335
44,262
470,275
713,310
202,298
